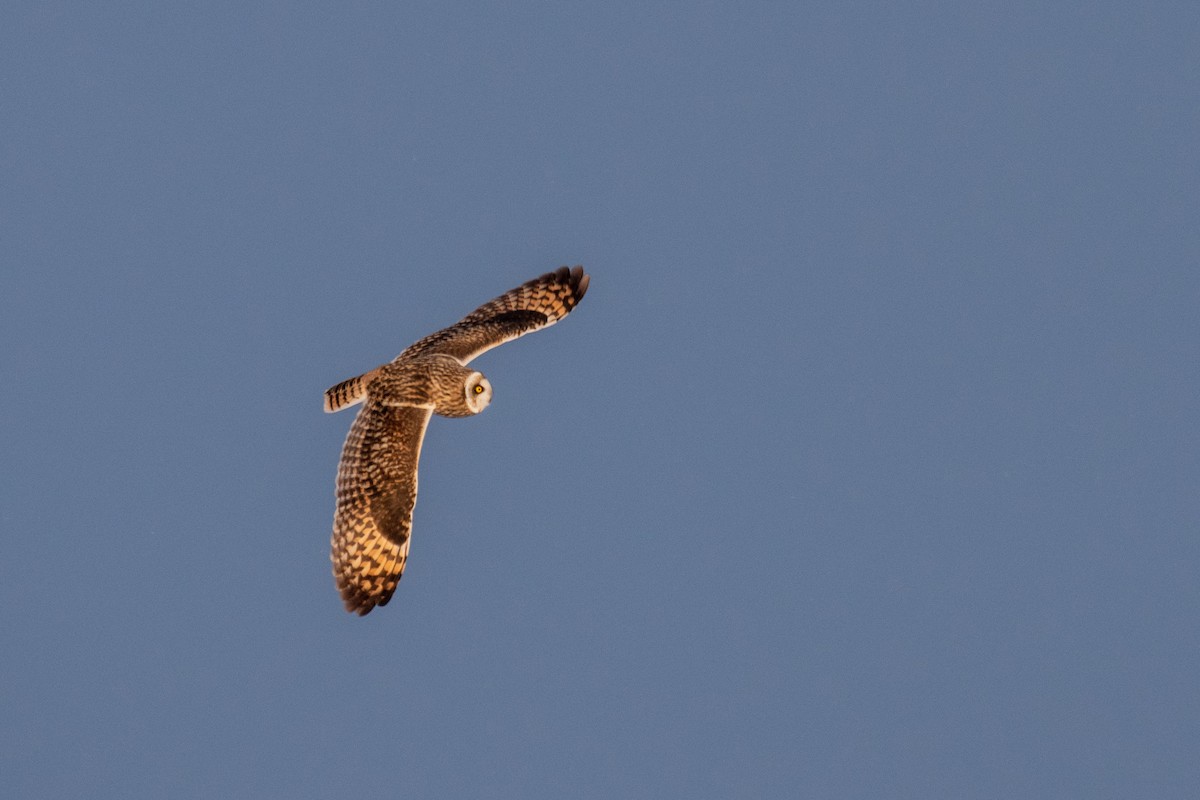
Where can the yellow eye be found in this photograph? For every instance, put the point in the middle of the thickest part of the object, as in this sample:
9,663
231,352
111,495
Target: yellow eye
479,388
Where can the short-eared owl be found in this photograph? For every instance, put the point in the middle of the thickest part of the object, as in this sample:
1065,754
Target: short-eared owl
377,476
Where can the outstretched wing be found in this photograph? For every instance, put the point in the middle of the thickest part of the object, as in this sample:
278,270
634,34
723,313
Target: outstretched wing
376,492
531,306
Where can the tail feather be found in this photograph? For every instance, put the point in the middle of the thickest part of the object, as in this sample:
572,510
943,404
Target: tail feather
347,393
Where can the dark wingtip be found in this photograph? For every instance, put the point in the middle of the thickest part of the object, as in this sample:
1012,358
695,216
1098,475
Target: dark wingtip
355,603
579,282
574,277
359,603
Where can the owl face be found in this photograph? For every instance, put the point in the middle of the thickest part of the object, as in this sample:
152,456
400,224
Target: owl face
478,392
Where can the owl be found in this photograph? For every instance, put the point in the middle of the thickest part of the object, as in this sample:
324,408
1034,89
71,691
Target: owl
377,475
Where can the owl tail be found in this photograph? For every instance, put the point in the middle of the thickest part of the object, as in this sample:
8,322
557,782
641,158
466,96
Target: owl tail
347,393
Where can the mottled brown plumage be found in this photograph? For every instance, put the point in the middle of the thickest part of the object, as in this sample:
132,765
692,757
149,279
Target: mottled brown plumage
377,475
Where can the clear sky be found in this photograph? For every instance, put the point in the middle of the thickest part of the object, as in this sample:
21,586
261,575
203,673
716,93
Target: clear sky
869,466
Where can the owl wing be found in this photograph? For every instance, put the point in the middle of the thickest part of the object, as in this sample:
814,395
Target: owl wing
376,492
533,305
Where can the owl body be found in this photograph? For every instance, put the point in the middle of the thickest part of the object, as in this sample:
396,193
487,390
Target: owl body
448,387
376,488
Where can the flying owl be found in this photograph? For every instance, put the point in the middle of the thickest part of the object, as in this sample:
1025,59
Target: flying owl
377,476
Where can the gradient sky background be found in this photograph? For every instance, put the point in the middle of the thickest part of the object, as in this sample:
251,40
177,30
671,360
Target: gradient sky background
868,467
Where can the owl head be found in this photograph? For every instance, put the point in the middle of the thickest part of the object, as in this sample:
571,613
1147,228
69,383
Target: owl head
457,391
478,392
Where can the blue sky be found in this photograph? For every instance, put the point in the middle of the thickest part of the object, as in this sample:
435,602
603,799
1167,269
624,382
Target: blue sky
868,467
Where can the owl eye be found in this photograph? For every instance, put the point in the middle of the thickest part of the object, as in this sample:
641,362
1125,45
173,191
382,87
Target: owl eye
478,388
